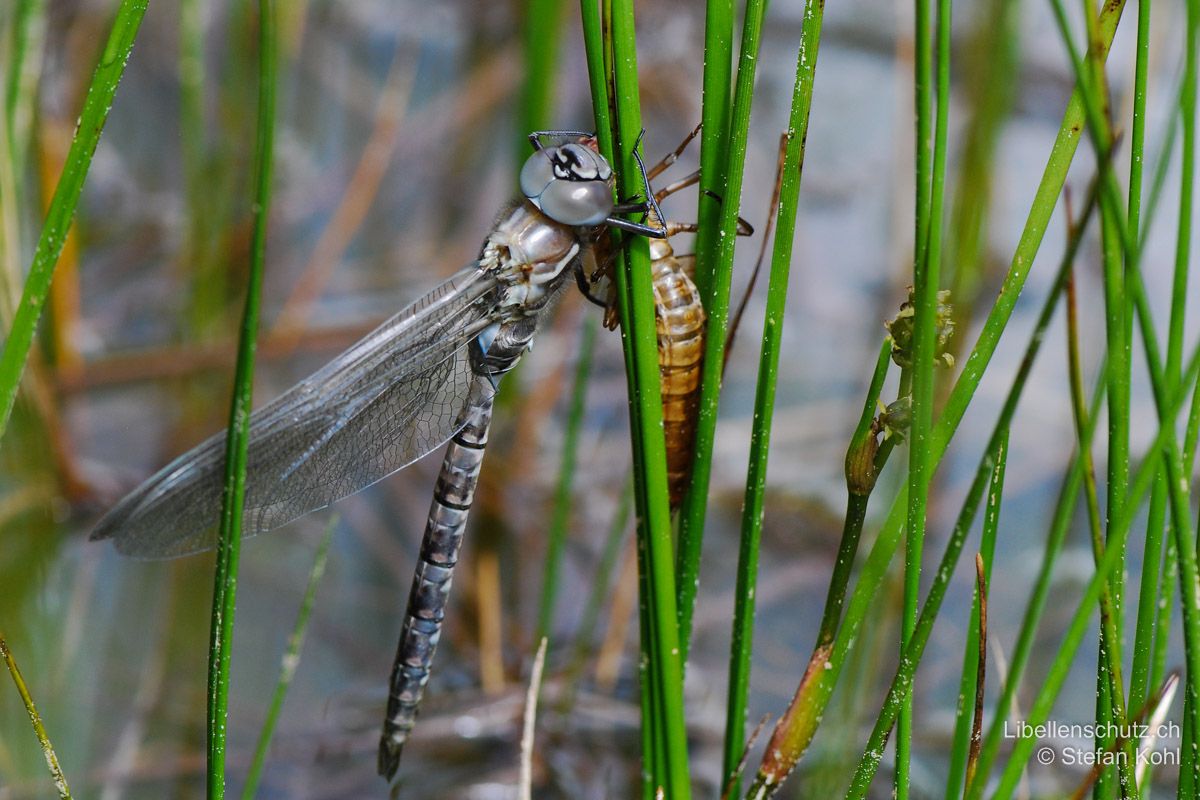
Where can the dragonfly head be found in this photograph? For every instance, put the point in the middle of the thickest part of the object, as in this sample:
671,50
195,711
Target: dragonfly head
570,183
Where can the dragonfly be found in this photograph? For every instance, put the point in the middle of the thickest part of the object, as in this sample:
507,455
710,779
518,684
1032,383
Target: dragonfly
425,377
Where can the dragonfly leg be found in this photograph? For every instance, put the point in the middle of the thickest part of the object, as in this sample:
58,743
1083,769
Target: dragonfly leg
586,287
650,231
744,228
673,156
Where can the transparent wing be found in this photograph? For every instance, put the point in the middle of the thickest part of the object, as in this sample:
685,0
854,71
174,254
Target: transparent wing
388,400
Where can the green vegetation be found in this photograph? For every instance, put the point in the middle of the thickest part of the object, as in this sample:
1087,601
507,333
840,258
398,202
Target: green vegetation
1141,581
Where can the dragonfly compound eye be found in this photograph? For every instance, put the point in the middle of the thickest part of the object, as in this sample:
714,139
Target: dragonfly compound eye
569,184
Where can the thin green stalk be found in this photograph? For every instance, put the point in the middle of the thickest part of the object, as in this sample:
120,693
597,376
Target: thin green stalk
989,80
964,754
1118,376
1170,570
1153,614
797,726
594,49
594,16
1178,488
663,687
1061,665
695,504
862,468
1177,483
291,659
926,281
10,226
600,587
202,264
1168,573
66,196
764,399
1154,611
1165,149
24,74
1190,763
654,751
1110,692
1187,170
1187,780
1119,371
39,730
542,21
923,110
989,472
714,137
1064,510
1137,132
237,440
560,518
1149,614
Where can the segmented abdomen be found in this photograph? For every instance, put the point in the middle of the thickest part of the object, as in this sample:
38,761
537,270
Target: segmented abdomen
679,319
431,584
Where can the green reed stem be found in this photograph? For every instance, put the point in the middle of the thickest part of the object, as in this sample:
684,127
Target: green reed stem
798,725
542,22
716,305
989,80
237,440
1112,708
66,197
24,70
741,645
35,719
1177,484
601,582
989,472
662,697
923,107
1118,377
1158,563
926,281
1177,490
1063,512
1061,665
595,16
560,517
714,137
962,765
1190,764
1148,588
862,468
291,660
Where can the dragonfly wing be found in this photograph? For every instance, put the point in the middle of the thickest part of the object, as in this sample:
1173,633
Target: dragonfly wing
388,400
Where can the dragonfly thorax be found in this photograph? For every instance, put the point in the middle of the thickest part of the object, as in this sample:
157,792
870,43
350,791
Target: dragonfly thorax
530,253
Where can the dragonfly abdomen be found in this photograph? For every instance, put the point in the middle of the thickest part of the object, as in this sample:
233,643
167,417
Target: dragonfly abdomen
435,569
680,321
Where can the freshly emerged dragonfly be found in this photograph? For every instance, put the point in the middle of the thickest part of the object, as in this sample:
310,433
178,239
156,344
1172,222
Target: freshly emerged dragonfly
426,376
